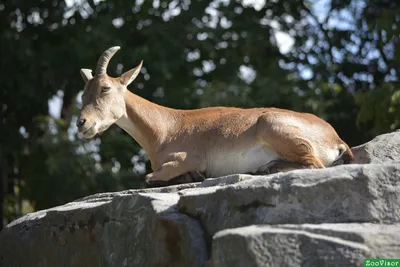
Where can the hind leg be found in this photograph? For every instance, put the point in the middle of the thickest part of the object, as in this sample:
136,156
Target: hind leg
296,152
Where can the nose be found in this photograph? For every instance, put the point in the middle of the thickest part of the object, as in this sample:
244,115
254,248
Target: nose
80,122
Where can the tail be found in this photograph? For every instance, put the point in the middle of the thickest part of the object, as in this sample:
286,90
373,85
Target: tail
345,155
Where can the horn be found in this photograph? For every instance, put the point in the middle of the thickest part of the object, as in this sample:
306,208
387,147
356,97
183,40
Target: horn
104,59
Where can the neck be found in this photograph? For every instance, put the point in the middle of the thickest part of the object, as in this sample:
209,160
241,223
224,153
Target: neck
146,122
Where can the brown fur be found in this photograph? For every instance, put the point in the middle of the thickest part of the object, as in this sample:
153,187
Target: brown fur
214,140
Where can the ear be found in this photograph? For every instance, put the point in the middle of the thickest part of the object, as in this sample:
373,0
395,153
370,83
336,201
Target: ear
86,74
130,75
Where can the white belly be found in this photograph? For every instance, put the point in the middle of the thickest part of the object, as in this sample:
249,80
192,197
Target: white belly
238,161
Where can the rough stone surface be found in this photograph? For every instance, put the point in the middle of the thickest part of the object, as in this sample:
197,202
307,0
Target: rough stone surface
384,148
352,211
305,245
111,195
348,193
142,229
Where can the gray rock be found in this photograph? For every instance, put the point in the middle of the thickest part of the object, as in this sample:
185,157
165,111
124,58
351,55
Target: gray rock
141,229
111,195
175,225
347,193
305,245
384,148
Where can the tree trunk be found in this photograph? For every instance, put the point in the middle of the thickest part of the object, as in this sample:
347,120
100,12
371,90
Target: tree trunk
67,109
2,194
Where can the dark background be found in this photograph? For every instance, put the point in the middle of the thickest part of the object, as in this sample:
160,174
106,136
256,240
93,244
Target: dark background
337,59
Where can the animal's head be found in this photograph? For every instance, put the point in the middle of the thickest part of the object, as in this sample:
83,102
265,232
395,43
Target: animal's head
103,99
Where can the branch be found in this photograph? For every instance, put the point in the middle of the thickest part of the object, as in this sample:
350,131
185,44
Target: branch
67,107
380,48
317,22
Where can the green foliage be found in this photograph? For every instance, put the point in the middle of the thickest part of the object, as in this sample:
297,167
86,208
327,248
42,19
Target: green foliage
343,66
379,109
60,168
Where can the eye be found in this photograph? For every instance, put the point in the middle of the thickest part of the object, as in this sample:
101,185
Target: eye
105,88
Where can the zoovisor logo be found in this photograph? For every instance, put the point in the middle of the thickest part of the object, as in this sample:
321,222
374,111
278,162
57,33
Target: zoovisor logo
381,262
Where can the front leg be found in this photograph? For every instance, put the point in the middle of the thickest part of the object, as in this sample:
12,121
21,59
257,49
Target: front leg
177,165
189,177
167,171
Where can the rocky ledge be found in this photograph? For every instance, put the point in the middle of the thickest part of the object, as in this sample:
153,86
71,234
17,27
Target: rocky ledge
330,217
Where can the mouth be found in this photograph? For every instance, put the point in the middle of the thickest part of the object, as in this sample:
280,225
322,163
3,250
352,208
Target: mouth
92,131
88,133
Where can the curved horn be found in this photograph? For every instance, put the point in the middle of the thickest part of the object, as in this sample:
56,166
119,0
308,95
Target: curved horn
104,59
